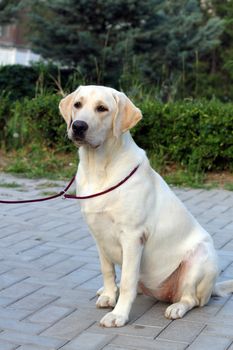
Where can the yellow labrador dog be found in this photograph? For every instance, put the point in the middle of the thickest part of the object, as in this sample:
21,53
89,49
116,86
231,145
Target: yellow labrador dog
141,226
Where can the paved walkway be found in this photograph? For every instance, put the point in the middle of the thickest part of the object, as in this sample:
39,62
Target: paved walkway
49,274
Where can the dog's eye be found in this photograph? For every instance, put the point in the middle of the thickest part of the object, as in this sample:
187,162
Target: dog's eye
101,108
78,104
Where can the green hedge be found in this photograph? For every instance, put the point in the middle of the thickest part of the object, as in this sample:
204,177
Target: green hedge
36,121
196,134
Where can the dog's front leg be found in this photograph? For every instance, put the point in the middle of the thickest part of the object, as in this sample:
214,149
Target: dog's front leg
108,293
132,252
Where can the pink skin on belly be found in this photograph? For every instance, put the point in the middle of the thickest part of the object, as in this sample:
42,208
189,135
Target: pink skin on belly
170,289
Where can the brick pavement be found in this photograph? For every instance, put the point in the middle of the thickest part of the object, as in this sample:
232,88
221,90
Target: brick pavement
49,274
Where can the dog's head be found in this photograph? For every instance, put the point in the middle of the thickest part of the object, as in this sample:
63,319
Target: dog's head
95,113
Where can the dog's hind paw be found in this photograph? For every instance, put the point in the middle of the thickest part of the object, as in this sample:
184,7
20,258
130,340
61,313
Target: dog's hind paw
174,311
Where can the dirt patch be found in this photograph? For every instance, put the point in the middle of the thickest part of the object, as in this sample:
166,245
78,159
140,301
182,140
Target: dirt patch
220,178
3,160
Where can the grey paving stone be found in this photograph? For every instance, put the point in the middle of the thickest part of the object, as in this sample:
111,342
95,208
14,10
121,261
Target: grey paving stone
154,317
35,253
14,238
230,347
92,266
52,224
32,302
221,238
22,338
49,314
7,346
229,246
65,267
45,278
206,342
88,341
209,313
228,272
78,277
20,290
93,283
219,329
5,301
69,327
141,306
116,347
147,344
181,331
13,314
10,278
50,260
133,330
21,326
50,271
65,292
225,261
35,347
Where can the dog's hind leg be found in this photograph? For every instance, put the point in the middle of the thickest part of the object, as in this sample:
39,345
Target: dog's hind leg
196,285
192,295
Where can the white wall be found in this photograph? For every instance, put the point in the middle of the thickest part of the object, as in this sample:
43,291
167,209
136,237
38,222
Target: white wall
17,56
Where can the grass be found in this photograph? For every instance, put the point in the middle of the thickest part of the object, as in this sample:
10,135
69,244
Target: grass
48,193
228,186
39,162
10,185
46,185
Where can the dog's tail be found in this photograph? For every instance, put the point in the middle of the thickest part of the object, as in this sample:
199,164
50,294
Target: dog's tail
223,289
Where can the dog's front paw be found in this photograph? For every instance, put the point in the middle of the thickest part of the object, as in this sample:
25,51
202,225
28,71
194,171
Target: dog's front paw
105,301
113,320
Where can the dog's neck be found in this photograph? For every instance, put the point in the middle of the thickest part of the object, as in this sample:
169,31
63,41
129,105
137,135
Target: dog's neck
99,164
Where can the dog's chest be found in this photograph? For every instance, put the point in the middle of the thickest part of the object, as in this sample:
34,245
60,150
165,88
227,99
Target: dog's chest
106,231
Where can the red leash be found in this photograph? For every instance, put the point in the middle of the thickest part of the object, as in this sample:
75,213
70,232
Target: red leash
41,199
70,196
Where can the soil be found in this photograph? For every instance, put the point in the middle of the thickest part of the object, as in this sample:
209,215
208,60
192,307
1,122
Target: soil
221,178
3,160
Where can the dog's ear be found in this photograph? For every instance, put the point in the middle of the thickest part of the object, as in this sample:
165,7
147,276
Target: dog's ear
65,107
127,114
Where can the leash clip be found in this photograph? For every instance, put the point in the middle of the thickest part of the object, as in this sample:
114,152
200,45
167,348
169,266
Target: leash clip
63,193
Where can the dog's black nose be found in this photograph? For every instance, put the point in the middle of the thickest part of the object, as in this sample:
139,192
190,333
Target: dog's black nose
79,128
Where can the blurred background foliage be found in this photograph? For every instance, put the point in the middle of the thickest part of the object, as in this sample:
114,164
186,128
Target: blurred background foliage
173,58
181,48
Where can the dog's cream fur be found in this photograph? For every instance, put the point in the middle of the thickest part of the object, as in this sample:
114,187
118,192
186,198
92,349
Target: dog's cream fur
141,226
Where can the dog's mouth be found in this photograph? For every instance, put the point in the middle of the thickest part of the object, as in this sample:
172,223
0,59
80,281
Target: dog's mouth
83,142
78,142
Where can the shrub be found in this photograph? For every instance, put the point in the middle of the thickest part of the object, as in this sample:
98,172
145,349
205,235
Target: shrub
5,107
20,81
37,121
195,134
